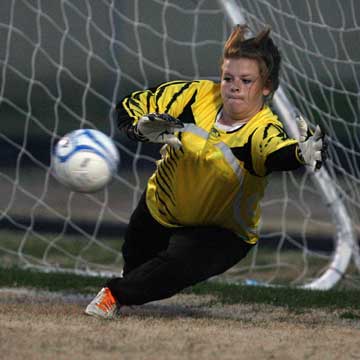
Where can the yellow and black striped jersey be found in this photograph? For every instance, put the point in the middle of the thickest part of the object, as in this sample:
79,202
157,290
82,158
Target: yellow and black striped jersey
217,177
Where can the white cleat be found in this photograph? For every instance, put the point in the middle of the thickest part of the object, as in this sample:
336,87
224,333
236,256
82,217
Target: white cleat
103,305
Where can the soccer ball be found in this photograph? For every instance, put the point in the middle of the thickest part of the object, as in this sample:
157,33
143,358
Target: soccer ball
85,160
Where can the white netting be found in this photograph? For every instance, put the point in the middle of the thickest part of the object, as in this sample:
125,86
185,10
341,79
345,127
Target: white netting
65,64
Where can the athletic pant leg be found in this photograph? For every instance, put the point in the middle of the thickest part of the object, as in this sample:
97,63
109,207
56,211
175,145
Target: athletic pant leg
194,254
144,238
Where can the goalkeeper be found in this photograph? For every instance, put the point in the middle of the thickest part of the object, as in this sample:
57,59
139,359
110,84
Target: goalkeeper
200,210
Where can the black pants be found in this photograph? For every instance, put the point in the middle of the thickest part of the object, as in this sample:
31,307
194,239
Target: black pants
161,261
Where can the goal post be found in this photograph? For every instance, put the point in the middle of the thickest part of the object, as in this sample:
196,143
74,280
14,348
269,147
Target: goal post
345,236
64,65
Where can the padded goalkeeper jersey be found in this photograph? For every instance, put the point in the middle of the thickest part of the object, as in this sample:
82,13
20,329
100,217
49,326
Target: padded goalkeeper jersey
217,177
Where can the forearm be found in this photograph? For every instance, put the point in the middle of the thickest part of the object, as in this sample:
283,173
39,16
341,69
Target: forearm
154,127
285,159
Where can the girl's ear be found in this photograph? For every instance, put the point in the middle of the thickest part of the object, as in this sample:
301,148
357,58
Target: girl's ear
266,91
267,88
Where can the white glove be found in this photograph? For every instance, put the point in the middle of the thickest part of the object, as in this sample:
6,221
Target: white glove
313,150
160,128
303,128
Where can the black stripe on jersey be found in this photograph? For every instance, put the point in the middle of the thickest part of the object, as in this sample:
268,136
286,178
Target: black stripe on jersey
161,212
187,115
148,98
164,191
162,172
160,201
169,162
157,98
127,102
176,95
173,153
164,204
161,176
168,215
168,168
149,93
282,134
136,95
133,102
243,153
164,86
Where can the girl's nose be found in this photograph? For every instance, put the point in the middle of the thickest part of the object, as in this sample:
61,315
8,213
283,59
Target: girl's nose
235,86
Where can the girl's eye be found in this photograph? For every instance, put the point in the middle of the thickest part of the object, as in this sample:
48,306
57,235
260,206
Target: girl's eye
227,78
246,81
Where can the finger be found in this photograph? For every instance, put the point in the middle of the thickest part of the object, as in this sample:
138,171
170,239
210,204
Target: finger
318,145
165,124
302,129
177,125
172,141
166,118
318,156
301,123
318,133
170,129
159,126
169,118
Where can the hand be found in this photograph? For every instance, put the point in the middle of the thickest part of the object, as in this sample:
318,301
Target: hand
314,148
160,128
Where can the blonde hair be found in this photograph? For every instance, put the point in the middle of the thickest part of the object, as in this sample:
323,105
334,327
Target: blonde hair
260,47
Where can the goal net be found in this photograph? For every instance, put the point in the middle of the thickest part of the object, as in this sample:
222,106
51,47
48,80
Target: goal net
65,64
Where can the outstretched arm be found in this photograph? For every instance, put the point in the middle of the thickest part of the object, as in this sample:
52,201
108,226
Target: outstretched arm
286,159
311,151
152,115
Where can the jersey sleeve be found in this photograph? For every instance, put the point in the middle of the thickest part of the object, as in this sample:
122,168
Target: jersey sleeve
287,158
170,97
266,140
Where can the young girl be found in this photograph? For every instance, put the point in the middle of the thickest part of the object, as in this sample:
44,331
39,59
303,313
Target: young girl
201,208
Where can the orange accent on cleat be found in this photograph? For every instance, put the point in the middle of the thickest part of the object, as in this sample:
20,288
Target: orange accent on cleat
107,301
104,305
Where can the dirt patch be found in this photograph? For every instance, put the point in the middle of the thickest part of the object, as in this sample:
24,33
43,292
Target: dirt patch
40,325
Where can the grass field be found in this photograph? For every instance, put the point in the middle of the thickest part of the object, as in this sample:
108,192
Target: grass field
42,317
42,314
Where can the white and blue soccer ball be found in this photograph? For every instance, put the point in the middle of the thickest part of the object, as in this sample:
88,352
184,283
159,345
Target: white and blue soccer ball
85,160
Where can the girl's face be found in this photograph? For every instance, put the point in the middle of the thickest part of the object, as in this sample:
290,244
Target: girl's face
242,89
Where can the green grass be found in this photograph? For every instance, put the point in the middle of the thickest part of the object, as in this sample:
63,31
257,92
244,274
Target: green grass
292,298
15,277
67,250
74,251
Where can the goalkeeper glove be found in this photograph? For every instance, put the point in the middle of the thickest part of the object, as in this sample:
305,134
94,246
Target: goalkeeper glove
313,147
159,128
